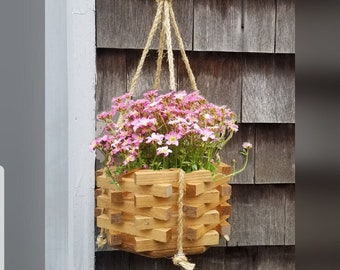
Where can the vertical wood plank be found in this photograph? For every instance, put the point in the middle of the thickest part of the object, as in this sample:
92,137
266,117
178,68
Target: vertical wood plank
127,23
232,151
111,77
259,25
212,259
279,258
258,215
217,25
268,90
107,260
290,216
144,263
274,148
240,258
285,26
218,77
147,78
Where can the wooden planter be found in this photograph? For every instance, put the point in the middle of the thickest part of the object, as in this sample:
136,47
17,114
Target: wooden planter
142,216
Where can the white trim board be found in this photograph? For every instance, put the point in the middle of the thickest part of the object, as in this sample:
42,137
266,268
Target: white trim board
70,127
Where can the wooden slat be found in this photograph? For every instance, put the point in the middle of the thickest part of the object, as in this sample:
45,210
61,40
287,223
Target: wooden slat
144,244
218,76
111,77
111,81
215,258
290,216
274,148
147,78
217,25
268,92
259,26
285,26
275,258
127,23
231,151
258,216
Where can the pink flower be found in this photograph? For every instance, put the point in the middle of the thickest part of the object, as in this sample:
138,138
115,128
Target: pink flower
143,122
155,137
207,134
163,150
172,138
232,126
129,159
247,145
104,116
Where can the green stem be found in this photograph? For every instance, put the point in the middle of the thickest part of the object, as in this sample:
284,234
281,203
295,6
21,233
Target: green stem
244,165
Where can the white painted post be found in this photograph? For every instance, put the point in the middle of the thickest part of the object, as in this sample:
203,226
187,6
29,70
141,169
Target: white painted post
81,53
56,136
70,127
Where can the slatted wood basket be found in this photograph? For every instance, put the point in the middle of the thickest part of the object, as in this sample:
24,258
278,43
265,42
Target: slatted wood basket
141,217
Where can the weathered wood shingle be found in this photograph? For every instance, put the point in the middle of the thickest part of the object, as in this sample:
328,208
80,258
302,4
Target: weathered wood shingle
274,151
258,215
268,90
218,25
126,23
259,26
285,26
230,258
218,77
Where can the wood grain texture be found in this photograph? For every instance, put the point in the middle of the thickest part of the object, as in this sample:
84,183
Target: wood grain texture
246,133
285,26
218,77
111,77
218,25
290,216
147,78
258,216
217,258
274,153
259,26
111,81
127,23
268,90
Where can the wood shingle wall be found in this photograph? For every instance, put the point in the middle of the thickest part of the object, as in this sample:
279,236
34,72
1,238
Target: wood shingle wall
242,54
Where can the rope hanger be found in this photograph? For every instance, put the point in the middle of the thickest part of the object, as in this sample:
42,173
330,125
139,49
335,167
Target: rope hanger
166,15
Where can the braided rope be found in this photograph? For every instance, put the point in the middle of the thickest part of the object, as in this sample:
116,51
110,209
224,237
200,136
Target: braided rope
180,258
182,49
167,25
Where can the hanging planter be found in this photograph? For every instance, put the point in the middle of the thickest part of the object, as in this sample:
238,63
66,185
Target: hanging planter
163,190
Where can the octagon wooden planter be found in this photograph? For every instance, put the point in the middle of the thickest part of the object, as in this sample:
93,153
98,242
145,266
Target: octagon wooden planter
142,216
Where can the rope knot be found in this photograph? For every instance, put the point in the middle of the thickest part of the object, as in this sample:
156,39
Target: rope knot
181,260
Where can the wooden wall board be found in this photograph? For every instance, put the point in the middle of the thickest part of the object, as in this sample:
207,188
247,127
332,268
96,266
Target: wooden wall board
279,257
111,77
268,90
290,216
246,133
147,78
218,25
218,77
216,258
259,26
285,26
127,23
274,153
258,215
121,260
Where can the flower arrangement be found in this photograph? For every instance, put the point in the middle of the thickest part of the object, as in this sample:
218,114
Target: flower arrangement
174,130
